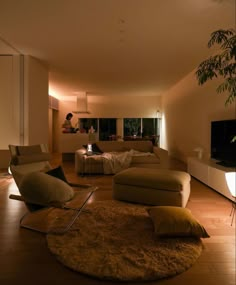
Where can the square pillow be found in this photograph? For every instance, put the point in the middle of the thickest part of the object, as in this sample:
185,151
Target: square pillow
170,221
42,189
58,173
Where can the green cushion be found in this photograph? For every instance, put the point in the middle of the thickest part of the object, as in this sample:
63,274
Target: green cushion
171,221
43,189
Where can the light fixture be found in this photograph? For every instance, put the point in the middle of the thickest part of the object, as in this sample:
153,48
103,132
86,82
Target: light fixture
199,151
158,114
81,103
231,183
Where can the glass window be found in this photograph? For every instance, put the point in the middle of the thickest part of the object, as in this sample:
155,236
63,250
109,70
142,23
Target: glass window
132,127
107,128
86,123
142,129
149,126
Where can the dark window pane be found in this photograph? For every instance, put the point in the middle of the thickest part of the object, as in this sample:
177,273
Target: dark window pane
132,126
107,128
85,124
149,126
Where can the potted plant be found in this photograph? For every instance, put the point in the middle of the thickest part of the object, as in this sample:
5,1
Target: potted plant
222,64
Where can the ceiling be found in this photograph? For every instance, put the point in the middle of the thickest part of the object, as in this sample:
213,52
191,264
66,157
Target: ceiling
113,46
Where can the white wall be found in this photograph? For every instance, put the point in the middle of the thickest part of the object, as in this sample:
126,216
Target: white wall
188,110
114,106
23,103
9,100
9,105
36,116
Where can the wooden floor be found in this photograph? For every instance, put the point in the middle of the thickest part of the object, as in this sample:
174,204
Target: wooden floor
25,258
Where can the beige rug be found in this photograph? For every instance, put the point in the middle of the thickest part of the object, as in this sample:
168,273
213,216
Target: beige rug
115,241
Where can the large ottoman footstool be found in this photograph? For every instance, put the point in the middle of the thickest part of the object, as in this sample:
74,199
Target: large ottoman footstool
159,187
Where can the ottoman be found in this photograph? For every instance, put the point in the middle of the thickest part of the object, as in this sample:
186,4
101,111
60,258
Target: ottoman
159,187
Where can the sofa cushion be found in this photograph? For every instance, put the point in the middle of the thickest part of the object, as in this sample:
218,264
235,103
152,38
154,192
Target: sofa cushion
113,146
33,158
43,189
145,159
28,150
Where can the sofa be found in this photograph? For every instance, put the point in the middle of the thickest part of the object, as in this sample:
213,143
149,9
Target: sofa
111,157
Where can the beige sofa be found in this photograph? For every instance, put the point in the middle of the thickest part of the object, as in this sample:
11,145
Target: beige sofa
130,153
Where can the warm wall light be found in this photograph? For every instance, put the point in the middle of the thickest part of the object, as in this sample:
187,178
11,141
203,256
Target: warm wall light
199,151
158,114
231,183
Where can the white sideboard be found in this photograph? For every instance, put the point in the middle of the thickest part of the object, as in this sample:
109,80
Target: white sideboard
210,173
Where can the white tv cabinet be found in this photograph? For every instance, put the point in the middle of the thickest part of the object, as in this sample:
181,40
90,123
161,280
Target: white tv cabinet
211,174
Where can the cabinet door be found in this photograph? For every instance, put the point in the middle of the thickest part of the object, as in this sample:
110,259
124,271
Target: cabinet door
198,169
217,181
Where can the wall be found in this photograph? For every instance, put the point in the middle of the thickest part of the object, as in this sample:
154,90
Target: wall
36,100
114,106
188,110
9,105
23,103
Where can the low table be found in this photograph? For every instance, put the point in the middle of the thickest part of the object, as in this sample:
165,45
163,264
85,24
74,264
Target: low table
160,187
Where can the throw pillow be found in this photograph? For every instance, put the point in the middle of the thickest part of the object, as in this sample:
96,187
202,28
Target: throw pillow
43,189
170,221
58,173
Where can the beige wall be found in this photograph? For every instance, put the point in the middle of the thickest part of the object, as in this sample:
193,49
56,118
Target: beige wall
35,102
9,105
114,106
9,100
23,103
188,110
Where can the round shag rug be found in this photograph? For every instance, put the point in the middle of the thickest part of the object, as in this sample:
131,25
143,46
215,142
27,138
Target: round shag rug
112,240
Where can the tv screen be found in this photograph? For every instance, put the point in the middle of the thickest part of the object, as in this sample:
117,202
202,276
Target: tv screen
223,147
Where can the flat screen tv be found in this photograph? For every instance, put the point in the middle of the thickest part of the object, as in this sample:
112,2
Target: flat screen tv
223,148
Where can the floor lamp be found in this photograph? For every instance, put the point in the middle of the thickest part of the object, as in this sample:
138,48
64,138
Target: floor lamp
231,182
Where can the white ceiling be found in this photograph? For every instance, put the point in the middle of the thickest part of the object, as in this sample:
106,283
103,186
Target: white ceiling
113,46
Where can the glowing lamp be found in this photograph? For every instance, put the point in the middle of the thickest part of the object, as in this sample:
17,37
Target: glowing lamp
231,183
89,149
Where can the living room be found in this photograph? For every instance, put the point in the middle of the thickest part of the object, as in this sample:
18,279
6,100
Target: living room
185,110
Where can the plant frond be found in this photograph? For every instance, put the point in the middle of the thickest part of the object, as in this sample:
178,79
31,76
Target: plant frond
220,36
230,98
229,43
221,65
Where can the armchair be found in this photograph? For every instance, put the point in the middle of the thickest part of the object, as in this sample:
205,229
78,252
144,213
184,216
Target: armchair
44,189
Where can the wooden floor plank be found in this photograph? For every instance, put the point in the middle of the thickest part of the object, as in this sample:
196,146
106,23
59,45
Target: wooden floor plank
25,258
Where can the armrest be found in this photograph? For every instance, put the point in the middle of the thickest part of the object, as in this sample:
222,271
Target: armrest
79,160
161,153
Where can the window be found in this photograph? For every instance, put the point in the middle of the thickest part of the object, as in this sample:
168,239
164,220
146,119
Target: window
149,127
107,128
142,129
132,127
85,124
